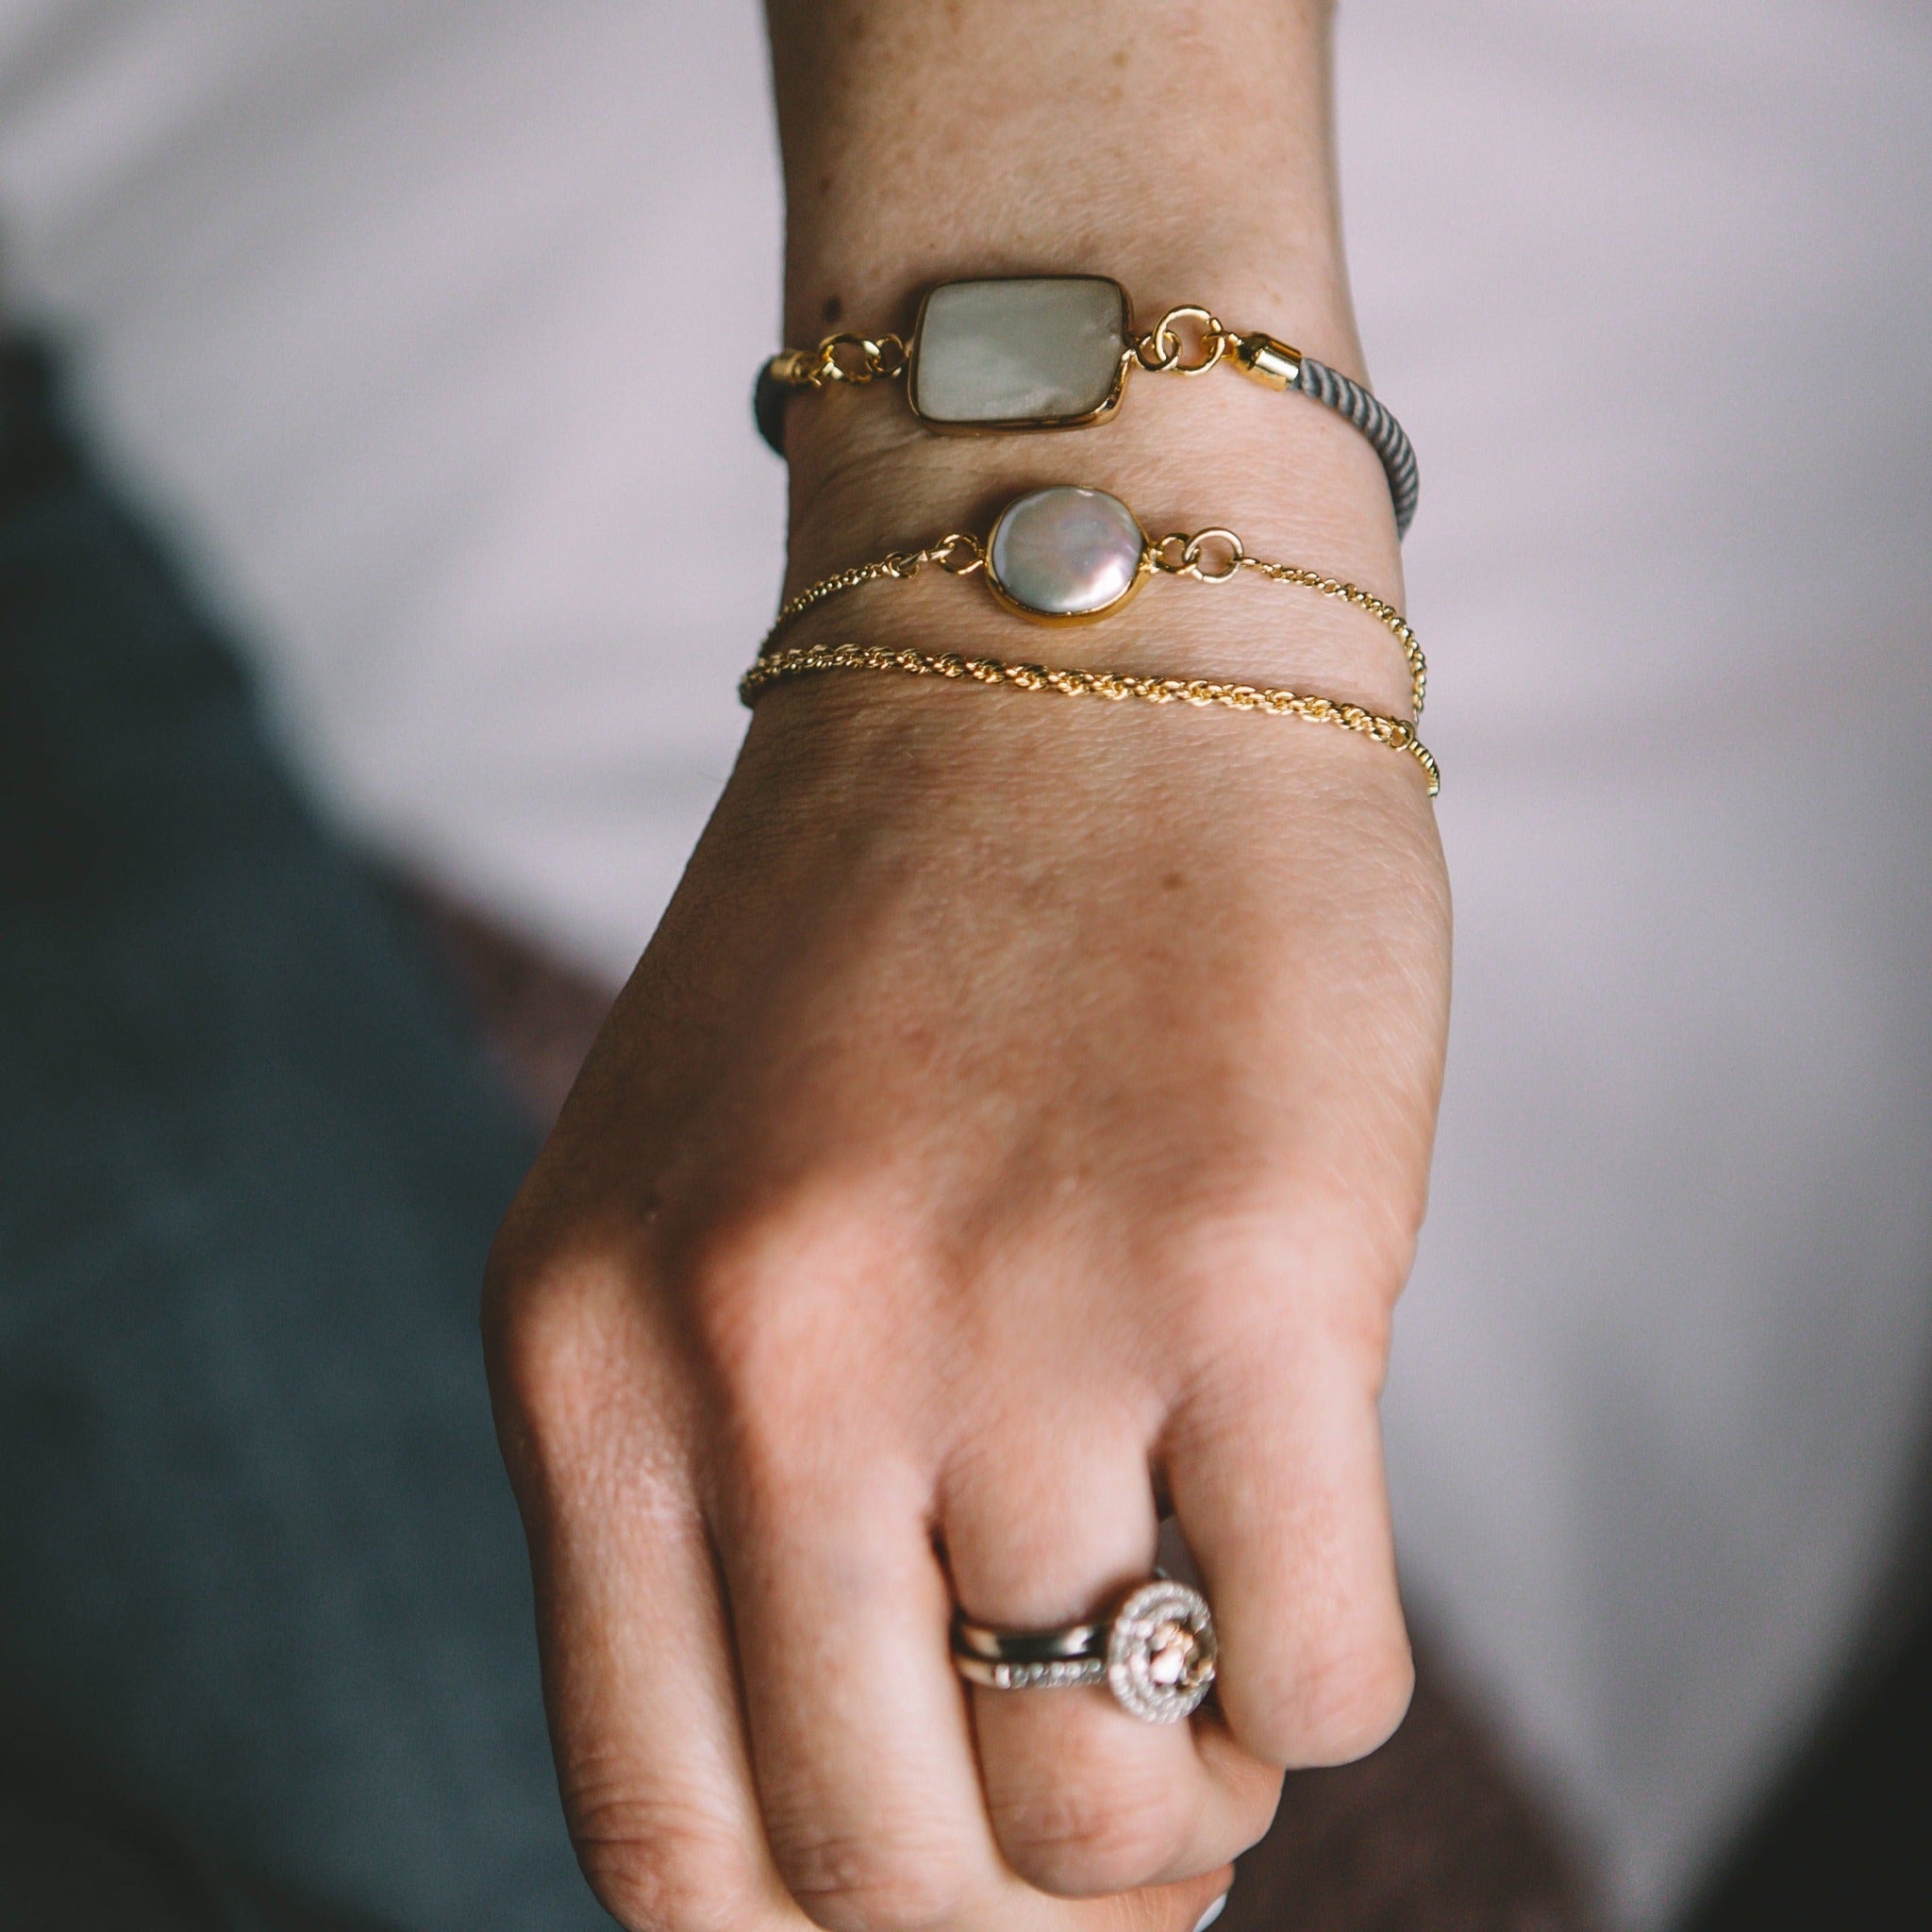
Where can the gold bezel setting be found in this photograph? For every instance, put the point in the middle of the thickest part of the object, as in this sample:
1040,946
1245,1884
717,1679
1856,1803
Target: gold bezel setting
1143,563
944,427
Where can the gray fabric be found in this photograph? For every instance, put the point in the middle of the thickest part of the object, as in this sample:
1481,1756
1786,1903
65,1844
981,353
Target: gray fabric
72,1859
261,1568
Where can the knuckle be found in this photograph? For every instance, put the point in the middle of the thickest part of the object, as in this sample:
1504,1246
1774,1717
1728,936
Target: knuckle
1281,1273
770,1297
1305,1222
1088,1837
744,1302
1351,1702
758,1278
658,1866
552,1336
883,1881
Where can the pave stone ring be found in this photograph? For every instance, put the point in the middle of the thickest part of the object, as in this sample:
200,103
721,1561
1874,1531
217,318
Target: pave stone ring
1157,1654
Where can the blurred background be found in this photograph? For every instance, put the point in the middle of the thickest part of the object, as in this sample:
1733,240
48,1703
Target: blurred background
419,338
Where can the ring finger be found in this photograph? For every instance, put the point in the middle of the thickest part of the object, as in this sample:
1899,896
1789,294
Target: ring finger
864,1760
1085,1799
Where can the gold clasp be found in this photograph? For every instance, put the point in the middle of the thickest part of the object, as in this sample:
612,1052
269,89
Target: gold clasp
866,358
1159,350
1191,550
959,552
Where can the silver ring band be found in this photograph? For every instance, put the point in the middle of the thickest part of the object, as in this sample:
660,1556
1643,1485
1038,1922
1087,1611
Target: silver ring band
1157,1654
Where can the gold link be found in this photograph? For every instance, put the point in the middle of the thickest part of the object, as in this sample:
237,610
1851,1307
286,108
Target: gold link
959,552
829,367
1191,557
1159,350
842,358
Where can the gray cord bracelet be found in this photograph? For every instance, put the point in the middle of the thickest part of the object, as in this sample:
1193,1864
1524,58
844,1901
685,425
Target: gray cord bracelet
1386,436
1054,352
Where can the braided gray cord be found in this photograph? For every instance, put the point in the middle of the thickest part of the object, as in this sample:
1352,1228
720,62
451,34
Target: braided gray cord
1385,434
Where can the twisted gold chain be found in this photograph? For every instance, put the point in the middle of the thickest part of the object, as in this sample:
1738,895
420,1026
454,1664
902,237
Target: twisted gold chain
1209,556
802,661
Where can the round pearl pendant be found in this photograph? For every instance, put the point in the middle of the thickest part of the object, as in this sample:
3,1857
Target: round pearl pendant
1063,554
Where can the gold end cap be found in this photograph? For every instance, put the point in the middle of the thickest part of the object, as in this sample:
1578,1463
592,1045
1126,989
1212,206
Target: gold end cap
1268,362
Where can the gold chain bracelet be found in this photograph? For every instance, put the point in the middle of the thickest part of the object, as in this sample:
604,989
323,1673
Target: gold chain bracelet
853,359
799,662
1066,555
1054,352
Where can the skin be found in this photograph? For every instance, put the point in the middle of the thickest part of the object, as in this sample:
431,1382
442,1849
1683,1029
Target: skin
1019,1126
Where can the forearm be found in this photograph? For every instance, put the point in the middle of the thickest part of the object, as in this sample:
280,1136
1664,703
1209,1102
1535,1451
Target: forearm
1181,146
1185,152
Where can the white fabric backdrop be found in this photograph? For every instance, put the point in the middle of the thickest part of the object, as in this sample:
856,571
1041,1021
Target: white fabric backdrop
428,329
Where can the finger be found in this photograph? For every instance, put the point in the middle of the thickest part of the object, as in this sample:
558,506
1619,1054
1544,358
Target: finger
864,1758
637,1673
864,1766
1051,1526
1275,1465
1189,1905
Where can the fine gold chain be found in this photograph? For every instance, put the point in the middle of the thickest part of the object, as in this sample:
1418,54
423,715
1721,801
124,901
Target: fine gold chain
957,552
800,661
1175,555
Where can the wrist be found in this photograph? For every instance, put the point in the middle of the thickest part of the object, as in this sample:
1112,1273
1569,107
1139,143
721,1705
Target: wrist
1018,143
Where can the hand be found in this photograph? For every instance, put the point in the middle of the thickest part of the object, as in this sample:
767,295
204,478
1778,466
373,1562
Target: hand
1018,1126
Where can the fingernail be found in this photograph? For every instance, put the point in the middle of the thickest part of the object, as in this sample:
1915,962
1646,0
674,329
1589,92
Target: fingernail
1213,1912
